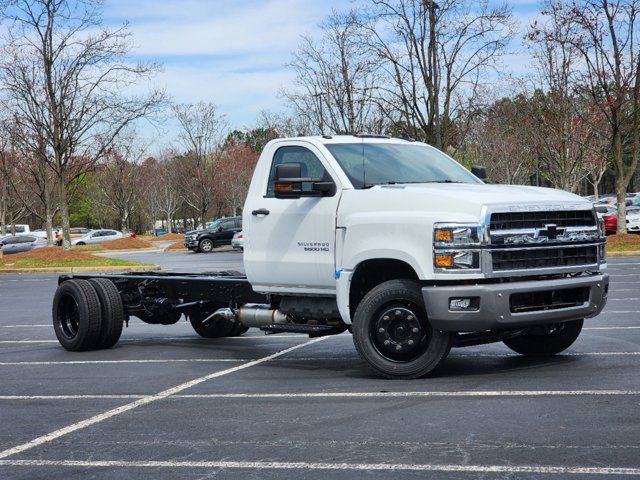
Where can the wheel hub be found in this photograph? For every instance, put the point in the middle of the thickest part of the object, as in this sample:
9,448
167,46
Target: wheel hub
398,333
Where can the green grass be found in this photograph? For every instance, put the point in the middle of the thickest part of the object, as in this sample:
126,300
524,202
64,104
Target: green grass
8,262
624,247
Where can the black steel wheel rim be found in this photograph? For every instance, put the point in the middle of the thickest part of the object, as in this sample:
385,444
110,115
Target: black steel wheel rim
400,332
68,317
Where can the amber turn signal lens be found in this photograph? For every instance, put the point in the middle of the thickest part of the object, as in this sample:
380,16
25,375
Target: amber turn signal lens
443,260
443,235
284,187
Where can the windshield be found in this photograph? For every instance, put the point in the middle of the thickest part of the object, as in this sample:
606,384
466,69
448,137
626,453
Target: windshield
368,164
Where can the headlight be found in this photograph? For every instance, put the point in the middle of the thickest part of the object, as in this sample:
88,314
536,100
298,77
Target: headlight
462,260
450,246
447,235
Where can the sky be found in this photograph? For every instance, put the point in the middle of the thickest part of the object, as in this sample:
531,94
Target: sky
234,52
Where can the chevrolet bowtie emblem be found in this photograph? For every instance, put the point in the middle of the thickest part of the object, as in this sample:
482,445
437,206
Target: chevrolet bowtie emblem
551,232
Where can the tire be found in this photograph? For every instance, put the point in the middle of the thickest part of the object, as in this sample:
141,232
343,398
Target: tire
215,329
77,316
238,329
206,245
546,340
393,315
112,312
80,243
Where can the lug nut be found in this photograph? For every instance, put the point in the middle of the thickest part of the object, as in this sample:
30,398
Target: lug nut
381,330
387,342
386,317
410,342
409,317
415,329
398,313
398,347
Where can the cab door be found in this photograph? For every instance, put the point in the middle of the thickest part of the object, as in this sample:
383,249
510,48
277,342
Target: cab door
290,242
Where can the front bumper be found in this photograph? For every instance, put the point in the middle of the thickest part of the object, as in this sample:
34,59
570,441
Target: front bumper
494,307
191,244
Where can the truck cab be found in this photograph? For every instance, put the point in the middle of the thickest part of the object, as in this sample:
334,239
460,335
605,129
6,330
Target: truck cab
331,220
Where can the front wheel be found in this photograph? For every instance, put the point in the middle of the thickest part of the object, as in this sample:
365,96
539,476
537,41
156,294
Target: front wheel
393,335
206,245
79,243
546,340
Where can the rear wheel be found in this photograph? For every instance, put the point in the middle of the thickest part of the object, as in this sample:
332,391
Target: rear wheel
112,312
392,334
206,245
215,328
77,316
79,243
546,340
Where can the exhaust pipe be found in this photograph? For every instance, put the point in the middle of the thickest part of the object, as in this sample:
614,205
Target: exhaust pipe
250,315
259,315
220,314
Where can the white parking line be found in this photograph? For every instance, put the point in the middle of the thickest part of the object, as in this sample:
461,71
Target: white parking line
157,339
145,401
390,467
292,359
611,328
471,393
107,362
27,326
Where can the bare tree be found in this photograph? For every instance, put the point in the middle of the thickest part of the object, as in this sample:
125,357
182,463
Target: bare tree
335,79
164,189
66,77
119,179
605,33
432,54
202,131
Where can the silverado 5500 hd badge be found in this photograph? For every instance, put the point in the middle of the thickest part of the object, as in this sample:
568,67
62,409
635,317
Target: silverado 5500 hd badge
314,246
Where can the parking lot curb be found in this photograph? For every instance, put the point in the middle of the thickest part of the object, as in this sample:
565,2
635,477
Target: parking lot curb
635,253
111,269
135,250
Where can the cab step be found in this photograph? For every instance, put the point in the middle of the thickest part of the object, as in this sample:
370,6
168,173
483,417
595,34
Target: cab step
311,330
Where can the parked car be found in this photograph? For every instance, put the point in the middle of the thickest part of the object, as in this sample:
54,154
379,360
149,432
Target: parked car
611,220
40,233
21,243
237,242
20,229
218,233
158,232
97,236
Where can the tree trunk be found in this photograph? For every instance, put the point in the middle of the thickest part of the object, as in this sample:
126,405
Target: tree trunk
64,215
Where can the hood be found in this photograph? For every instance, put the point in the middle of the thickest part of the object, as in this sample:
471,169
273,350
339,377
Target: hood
457,202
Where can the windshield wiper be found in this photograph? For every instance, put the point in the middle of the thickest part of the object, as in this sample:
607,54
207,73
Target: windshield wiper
444,181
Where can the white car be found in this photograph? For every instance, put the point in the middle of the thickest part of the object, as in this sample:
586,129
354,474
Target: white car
633,221
237,242
96,236
21,229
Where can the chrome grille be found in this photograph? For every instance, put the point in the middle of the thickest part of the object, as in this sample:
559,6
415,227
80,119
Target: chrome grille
544,241
522,220
549,257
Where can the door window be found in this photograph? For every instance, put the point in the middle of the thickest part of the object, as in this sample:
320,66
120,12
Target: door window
311,165
228,225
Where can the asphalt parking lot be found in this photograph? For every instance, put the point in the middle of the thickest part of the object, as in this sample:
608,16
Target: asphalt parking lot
166,404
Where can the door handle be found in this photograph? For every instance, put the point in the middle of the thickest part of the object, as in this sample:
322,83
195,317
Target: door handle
261,211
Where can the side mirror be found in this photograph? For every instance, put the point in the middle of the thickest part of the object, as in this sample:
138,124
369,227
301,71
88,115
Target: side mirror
480,172
290,183
601,209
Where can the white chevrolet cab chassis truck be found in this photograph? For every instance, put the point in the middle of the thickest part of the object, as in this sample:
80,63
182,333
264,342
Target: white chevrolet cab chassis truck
389,239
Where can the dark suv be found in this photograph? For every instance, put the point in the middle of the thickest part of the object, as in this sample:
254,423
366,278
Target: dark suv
217,233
